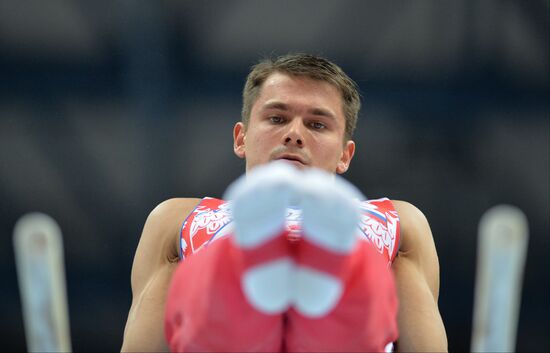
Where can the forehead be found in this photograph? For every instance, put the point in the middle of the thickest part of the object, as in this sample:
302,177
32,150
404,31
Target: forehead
300,91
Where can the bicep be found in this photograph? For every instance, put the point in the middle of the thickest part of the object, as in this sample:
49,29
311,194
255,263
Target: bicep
144,329
154,262
417,278
150,280
420,325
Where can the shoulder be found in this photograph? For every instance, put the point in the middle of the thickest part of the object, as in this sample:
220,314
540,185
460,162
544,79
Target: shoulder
409,211
174,205
158,244
165,220
417,244
171,210
415,229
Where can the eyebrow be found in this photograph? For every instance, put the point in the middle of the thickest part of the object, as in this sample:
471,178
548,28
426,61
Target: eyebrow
314,111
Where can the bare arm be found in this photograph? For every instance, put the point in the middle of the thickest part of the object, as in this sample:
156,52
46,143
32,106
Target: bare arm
416,270
154,262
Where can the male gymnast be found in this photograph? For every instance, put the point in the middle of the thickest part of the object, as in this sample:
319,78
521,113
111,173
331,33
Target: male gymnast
295,258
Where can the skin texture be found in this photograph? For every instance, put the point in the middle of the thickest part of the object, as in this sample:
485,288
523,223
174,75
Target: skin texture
297,118
301,120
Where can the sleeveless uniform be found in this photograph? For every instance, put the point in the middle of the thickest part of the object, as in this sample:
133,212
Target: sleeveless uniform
207,311
211,220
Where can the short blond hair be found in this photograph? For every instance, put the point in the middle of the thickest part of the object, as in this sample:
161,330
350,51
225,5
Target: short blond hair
310,66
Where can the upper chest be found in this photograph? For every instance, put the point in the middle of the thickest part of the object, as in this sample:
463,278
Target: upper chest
211,220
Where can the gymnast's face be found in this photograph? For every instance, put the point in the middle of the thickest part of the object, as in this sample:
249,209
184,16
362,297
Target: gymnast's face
297,119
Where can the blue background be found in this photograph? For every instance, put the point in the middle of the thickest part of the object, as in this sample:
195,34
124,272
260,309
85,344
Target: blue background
109,107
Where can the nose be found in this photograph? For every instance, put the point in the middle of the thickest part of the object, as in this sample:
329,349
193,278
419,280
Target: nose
294,135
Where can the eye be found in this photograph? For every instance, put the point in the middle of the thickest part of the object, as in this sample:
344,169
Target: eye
276,119
317,125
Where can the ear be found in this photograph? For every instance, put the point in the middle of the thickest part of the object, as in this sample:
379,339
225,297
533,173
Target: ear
345,158
239,139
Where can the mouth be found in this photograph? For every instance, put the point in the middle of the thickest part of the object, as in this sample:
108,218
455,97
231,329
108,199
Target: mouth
292,158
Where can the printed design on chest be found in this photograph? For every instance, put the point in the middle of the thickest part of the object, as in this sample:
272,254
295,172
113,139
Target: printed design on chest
379,227
376,226
212,220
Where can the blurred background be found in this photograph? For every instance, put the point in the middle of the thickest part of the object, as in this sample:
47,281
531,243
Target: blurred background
109,107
